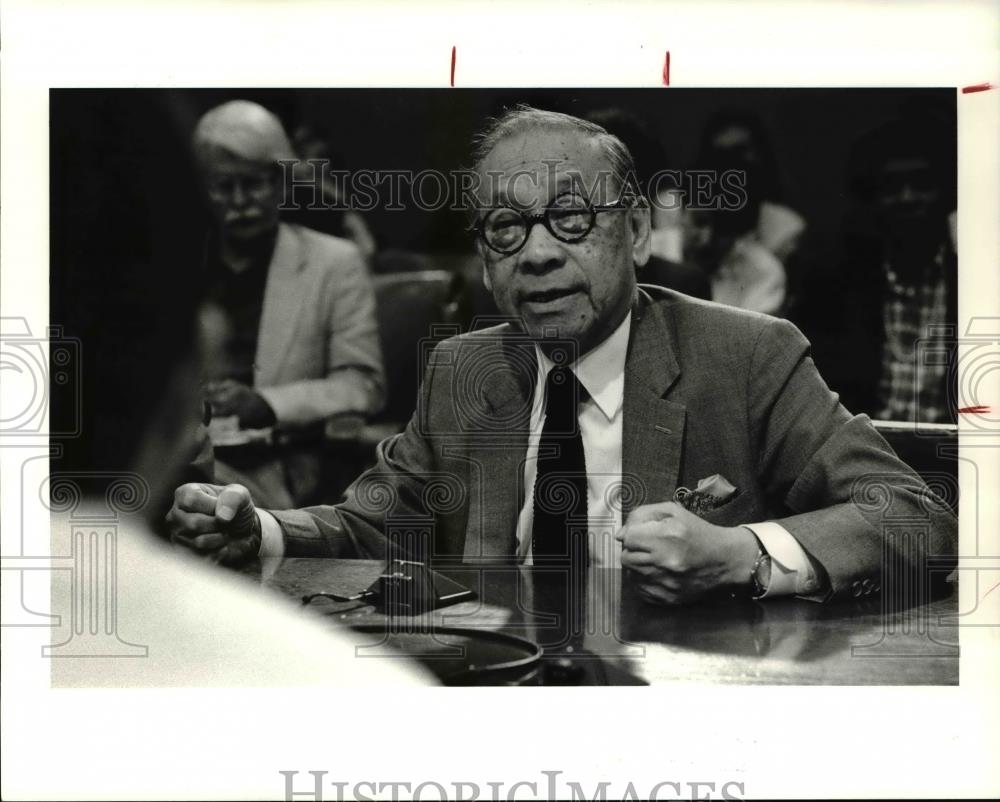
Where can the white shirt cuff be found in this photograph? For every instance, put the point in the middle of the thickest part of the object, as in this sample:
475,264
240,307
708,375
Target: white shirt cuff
272,543
793,571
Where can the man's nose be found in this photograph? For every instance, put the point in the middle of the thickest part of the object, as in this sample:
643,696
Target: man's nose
238,195
542,251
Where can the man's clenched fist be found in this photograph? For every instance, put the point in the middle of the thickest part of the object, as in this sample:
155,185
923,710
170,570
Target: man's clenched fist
219,522
680,557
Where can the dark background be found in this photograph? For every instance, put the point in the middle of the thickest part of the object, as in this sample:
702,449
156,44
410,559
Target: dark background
123,190
811,131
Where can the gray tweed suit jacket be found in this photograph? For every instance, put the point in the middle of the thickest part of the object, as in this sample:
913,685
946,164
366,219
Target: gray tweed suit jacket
709,389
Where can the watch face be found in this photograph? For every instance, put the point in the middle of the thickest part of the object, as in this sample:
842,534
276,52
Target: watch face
762,574
765,572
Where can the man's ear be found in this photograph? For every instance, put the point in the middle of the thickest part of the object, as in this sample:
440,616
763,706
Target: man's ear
639,220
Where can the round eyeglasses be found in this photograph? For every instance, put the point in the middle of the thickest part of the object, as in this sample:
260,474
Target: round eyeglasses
569,218
256,185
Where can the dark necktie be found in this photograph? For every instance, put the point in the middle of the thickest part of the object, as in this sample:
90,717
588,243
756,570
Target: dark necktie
560,494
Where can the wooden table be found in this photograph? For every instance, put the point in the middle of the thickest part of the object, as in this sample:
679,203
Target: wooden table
620,639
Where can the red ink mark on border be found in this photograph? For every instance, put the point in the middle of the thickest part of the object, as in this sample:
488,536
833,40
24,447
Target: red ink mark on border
666,70
979,409
452,65
977,88
987,593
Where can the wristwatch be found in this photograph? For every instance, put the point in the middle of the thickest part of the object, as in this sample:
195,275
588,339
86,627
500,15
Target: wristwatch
760,574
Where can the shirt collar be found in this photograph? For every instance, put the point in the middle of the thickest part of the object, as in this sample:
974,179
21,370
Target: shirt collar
601,370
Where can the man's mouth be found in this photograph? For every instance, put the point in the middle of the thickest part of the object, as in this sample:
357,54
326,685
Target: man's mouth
243,220
548,296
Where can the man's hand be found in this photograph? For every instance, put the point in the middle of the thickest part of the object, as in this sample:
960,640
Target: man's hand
229,397
219,522
679,557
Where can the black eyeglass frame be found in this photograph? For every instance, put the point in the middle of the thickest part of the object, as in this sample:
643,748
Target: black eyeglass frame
624,201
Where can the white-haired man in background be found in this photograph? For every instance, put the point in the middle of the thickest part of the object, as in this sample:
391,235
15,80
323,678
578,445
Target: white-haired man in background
301,337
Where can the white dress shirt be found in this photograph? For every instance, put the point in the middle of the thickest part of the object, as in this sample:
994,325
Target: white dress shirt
602,373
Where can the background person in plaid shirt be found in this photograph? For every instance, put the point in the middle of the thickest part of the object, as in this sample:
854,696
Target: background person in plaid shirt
895,293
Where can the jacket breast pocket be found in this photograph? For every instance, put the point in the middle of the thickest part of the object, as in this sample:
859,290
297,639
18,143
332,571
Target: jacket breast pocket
743,509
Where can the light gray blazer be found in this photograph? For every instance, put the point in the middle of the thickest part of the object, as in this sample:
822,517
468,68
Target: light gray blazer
318,350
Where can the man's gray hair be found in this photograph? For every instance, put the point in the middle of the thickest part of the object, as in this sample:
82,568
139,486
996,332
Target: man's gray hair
523,117
244,130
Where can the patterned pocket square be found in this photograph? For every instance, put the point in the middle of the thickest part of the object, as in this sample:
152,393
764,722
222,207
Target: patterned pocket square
709,494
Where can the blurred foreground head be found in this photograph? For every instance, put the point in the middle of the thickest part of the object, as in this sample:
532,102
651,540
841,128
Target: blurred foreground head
126,265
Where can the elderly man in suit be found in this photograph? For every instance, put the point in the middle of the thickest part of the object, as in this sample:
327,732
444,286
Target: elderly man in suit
693,444
301,336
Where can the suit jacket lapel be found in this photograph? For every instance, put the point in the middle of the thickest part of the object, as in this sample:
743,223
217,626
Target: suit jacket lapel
283,298
652,431
498,452
652,426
